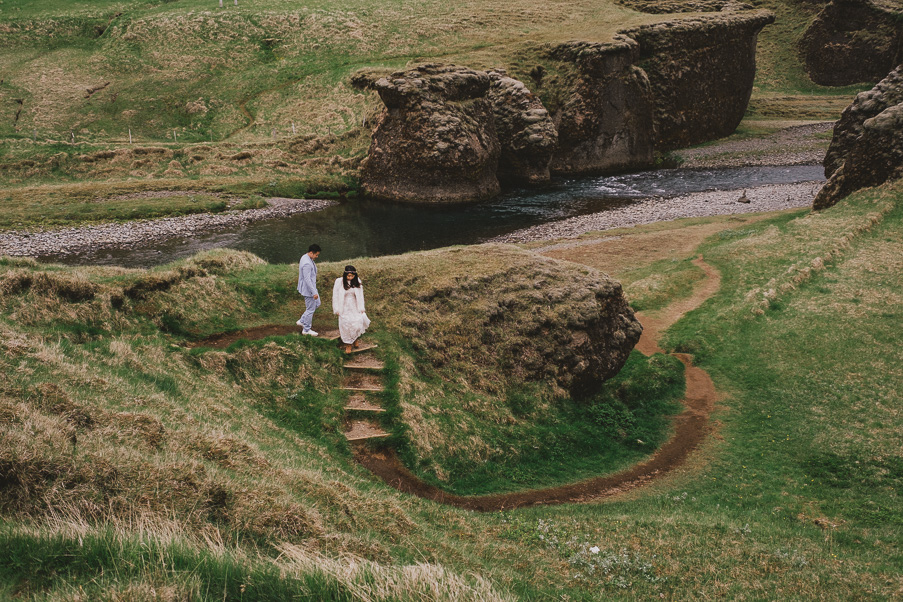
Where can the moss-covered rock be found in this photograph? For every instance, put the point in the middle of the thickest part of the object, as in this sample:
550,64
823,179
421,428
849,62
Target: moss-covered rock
853,41
701,72
605,122
435,141
867,148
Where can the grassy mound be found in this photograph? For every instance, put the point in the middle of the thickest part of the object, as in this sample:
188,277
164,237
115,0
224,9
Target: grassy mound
485,346
484,343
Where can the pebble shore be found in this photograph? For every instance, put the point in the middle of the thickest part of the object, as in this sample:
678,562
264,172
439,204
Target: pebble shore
774,197
795,145
68,241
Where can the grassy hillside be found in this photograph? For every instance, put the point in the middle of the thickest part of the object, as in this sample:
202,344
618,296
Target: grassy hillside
135,469
240,74
103,98
782,90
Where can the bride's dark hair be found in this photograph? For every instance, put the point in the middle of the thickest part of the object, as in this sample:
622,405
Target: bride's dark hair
354,282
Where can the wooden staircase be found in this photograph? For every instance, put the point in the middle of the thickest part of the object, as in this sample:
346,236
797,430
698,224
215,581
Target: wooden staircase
363,380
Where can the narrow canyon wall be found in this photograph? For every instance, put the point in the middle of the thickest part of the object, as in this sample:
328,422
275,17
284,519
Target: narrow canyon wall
605,124
448,133
701,72
853,41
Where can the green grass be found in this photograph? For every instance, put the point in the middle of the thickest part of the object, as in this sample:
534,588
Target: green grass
544,444
657,285
793,496
108,565
55,205
122,210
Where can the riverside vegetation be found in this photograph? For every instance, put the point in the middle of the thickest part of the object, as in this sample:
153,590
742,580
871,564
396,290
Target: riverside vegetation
135,468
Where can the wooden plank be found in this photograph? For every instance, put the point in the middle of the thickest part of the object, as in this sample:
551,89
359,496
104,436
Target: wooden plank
362,349
364,365
364,430
374,409
362,437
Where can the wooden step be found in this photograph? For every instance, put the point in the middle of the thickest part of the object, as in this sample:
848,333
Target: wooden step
364,347
364,363
363,381
359,403
364,430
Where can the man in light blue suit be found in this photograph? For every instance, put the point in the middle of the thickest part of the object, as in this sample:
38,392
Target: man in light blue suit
307,286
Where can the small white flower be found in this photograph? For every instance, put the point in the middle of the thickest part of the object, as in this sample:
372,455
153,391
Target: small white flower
594,549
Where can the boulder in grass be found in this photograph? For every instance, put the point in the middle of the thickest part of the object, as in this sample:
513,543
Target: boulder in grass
498,317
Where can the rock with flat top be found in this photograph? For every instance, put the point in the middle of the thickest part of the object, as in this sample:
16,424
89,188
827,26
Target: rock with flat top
435,141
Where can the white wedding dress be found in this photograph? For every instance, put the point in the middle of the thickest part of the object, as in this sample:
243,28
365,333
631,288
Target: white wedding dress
349,305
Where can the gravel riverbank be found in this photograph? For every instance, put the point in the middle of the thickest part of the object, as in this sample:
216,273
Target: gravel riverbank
68,241
795,144
774,197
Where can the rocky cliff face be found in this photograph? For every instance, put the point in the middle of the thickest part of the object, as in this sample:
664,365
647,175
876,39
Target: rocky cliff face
660,7
525,130
867,148
853,41
435,141
448,133
701,73
605,124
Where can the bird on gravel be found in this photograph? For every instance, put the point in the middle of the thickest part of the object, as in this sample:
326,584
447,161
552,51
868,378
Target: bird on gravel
743,198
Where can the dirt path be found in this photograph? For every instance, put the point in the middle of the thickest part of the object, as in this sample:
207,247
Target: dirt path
658,322
690,428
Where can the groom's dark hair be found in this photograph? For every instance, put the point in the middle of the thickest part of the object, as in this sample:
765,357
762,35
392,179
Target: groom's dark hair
314,248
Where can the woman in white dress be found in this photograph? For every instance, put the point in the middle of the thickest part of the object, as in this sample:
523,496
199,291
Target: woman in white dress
348,305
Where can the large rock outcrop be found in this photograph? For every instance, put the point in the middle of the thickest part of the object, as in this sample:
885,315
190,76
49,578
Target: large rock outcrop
887,93
435,141
527,136
867,148
502,315
853,41
605,124
448,133
701,72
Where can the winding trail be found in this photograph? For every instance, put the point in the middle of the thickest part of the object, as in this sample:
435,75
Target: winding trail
690,428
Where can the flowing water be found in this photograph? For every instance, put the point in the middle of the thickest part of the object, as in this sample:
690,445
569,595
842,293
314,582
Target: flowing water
362,228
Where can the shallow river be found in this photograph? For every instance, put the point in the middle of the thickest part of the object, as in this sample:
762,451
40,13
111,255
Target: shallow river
360,228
